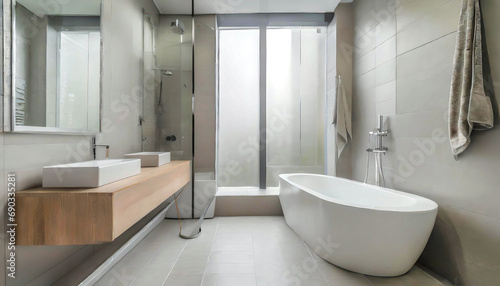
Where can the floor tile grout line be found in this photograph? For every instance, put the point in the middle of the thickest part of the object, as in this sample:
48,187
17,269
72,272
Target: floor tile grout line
434,278
368,279
175,263
141,242
319,268
253,247
165,240
152,255
211,247
315,262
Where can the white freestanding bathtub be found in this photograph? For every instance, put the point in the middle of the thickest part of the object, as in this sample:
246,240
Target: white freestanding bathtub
359,227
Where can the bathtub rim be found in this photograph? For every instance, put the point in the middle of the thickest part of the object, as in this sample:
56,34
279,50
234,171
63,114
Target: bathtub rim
420,205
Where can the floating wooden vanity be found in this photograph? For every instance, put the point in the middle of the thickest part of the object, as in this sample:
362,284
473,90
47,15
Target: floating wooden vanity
97,215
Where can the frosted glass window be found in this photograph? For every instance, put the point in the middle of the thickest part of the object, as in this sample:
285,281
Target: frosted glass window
238,150
295,102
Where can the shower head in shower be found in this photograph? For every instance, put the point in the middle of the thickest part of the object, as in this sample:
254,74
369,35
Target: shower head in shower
164,71
177,27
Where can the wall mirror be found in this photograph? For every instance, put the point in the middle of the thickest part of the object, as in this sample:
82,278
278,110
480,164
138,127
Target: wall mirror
56,66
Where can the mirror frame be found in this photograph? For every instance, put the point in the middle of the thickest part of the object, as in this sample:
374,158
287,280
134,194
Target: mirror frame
8,79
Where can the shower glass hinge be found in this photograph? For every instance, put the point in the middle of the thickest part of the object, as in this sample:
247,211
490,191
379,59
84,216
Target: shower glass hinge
141,120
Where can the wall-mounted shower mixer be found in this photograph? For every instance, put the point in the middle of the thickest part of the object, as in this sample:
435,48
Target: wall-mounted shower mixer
171,138
378,151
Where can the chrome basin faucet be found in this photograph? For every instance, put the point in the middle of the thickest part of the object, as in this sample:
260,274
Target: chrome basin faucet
94,147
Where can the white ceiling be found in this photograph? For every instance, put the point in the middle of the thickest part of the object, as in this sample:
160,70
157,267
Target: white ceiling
175,7
70,7
246,6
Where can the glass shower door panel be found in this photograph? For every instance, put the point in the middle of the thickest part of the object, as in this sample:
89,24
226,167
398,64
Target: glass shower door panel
171,115
283,102
238,150
175,98
295,102
313,99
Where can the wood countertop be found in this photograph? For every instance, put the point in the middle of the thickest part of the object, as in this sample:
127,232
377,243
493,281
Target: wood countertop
55,216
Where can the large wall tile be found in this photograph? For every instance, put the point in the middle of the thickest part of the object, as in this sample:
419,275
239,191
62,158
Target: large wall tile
385,51
426,90
421,124
464,244
410,11
365,64
364,20
365,81
386,11
386,107
428,57
386,72
385,91
440,22
363,44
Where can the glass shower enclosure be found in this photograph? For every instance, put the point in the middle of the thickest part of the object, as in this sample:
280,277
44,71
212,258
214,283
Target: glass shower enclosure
174,105
168,93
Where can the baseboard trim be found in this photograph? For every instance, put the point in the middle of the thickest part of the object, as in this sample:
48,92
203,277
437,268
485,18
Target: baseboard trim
266,205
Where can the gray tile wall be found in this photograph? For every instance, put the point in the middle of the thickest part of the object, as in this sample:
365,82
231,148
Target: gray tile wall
151,87
403,54
26,154
205,113
339,63
205,89
331,69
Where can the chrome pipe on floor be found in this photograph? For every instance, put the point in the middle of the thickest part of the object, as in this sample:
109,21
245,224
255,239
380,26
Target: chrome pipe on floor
197,229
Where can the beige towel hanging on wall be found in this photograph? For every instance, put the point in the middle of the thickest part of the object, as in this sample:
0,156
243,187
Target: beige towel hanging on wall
470,106
343,118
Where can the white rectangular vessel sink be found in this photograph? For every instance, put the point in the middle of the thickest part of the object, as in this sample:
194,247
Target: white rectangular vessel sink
89,174
151,159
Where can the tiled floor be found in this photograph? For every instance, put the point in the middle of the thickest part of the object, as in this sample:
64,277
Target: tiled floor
237,251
